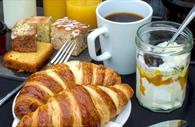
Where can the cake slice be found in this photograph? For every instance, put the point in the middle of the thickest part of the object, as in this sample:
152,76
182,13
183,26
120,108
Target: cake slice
43,25
24,37
28,61
64,29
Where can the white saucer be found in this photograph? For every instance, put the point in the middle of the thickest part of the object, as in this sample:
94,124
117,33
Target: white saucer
119,121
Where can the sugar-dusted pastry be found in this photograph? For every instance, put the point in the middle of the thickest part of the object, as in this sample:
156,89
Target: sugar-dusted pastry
64,29
28,61
43,24
40,86
82,106
24,37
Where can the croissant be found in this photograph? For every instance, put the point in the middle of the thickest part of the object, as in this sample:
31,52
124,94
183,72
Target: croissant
82,106
40,86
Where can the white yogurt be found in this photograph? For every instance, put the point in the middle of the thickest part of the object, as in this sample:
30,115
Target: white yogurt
166,96
163,97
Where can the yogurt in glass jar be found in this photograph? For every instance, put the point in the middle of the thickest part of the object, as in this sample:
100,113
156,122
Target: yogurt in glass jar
162,66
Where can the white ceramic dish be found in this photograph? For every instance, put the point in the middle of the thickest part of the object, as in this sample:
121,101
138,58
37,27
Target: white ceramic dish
119,121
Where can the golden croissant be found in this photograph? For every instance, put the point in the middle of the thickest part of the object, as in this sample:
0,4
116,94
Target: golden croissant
42,85
82,106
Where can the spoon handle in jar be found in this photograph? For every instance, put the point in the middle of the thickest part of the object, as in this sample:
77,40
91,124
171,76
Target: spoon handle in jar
187,20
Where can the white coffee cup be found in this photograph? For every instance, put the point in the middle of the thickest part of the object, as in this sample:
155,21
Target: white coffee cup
117,39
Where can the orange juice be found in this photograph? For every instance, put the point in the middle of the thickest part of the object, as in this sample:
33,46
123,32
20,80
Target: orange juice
55,8
83,11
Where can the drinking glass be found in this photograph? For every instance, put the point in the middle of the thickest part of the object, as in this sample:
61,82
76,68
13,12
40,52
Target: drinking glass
83,11
55,8
15,10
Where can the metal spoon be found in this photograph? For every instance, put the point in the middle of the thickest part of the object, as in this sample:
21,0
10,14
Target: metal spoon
187,20
171,123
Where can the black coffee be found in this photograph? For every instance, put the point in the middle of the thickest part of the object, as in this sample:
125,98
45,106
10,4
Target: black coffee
124,17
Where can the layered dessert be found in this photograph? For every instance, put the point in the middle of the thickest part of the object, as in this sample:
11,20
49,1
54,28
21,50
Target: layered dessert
162,78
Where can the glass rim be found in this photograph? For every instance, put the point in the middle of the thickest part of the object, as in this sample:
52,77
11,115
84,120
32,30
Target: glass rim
142,45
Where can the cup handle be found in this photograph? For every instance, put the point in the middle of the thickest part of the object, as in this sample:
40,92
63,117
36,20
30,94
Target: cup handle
91,44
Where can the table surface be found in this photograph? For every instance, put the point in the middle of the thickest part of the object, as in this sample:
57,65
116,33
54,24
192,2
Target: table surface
140,117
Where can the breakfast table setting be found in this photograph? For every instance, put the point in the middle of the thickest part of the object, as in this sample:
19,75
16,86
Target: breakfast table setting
127,63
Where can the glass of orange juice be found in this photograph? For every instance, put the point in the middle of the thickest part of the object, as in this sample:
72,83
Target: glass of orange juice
83,11
55,8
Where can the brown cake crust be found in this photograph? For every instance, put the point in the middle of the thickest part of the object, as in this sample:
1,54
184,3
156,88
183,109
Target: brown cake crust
23,62
24,37
25,43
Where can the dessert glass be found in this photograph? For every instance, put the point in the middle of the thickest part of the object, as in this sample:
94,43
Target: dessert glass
162,67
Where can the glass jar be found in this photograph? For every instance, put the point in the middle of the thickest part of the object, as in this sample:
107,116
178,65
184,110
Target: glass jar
162,66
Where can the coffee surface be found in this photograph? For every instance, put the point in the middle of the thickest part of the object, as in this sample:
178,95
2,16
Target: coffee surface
124,17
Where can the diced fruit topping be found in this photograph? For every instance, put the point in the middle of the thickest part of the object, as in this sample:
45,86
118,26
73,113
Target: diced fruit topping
152,60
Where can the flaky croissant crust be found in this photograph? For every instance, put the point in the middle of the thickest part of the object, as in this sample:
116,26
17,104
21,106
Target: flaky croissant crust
40,86
82,106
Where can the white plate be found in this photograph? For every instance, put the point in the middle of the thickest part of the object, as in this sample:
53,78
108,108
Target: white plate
119,121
